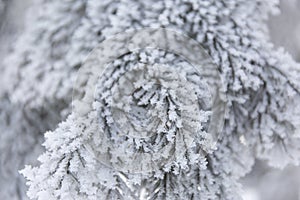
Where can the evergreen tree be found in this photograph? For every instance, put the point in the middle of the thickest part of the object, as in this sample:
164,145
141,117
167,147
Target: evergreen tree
261,84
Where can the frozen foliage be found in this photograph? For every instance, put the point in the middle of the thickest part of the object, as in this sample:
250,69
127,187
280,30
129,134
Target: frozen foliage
261,83
161,153
20,143
39,54
20,126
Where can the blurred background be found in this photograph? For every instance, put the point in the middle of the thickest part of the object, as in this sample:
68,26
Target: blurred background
263,183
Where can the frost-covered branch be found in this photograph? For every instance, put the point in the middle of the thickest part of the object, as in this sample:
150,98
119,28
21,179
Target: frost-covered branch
261,96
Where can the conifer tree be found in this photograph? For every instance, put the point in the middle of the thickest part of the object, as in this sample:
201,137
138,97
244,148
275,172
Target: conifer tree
261,84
